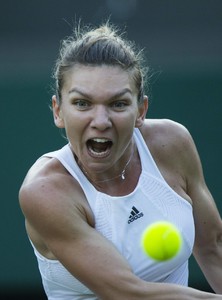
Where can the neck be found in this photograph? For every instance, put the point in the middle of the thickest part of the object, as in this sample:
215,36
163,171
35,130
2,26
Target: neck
120,176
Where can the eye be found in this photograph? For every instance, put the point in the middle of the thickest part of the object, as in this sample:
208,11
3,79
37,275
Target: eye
81,104
120,104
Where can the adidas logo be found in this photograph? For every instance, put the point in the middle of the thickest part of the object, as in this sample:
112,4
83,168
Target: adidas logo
134,215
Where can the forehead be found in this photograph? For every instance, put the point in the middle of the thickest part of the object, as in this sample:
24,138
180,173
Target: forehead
94,79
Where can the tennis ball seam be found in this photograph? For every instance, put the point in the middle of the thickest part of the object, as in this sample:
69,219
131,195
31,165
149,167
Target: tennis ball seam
161,241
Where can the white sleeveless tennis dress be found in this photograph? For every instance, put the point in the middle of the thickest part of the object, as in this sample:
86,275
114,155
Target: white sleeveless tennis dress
122,219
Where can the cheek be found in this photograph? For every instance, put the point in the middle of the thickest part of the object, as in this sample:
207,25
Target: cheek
73,127
126,126
132,118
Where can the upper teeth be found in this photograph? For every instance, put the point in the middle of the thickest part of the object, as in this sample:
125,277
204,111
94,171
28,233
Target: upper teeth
100,140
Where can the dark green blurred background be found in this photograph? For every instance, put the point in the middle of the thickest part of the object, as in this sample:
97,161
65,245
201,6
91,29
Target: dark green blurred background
183,41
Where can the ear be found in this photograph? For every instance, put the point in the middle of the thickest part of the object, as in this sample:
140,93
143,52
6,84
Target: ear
57,113
142,111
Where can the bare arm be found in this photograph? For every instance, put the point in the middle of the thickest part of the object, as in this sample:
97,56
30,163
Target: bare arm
208,225
63,225
181,156
176,155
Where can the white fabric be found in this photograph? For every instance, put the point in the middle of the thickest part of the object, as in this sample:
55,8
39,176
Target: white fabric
153,199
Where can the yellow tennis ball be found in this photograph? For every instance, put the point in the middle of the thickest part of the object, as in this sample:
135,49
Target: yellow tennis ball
161,241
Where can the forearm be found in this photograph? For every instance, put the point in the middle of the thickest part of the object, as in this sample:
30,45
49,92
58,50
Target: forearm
213,274
214,279
118,282
158,291
163,291
210,262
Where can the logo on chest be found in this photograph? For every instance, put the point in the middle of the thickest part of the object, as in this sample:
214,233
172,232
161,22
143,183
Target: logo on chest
134,215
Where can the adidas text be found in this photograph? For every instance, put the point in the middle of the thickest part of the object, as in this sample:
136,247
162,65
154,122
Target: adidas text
135,217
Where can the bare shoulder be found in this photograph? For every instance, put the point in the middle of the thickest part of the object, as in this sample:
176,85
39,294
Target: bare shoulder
170,143
51,200
163,127
44,180
166,133
175,153
49,184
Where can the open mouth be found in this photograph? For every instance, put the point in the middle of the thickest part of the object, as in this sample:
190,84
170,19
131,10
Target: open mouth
99,147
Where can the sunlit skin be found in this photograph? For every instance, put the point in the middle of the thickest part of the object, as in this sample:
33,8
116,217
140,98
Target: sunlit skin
73,221
100,102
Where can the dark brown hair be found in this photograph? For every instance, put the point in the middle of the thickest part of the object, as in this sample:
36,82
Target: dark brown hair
99,46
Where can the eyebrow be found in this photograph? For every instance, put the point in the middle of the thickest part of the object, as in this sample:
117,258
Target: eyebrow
86,95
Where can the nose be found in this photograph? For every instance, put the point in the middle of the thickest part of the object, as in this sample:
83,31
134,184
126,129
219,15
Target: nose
101,118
